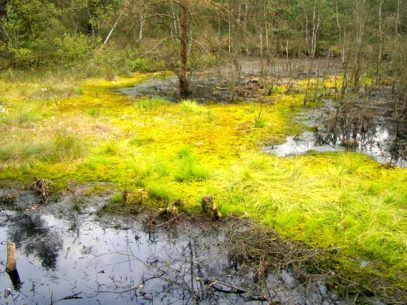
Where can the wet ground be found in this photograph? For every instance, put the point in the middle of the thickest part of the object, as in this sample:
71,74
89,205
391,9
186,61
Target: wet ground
232,82
65,256
375,126
204,88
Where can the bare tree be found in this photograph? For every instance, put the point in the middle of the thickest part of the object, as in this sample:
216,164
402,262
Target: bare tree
381,41
360,25
184,44
316,19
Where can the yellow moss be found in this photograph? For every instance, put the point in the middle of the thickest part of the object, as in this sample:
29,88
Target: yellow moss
120,82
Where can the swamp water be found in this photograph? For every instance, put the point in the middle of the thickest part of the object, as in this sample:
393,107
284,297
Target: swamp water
70,257
376,126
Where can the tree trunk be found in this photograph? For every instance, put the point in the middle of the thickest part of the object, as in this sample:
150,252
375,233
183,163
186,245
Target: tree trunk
306,38
315,28
380,55
182,75
397,19
360,28
266,30
142,21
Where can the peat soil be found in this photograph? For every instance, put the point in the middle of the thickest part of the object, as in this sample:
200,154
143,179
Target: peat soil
71,255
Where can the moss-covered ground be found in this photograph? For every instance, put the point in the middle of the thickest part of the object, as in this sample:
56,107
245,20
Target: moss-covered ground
87,132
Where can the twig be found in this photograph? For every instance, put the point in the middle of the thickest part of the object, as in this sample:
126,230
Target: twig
235,289
168,221
75,296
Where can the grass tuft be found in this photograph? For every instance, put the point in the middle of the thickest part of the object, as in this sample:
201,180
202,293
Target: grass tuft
66,147
259,122
190,107
188,168
116,198
22,150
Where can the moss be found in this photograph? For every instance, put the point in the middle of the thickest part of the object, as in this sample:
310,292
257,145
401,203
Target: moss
116,198
185,151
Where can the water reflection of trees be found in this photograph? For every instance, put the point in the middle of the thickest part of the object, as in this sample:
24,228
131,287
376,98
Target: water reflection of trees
376,126
31,233
178,268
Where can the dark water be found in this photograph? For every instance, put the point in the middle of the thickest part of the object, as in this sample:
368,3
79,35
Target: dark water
376,126
64,257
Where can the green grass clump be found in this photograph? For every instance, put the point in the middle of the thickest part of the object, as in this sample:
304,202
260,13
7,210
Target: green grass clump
27,118
190,107
116,198
22,150
188,167
160,191
259,122
66,147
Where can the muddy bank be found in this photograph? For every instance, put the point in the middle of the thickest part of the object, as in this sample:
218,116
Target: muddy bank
82,257
243,80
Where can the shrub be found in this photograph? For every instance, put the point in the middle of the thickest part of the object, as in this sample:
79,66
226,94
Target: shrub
145,65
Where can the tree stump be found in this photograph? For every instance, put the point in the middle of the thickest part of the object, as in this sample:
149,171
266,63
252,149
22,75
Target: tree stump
11,266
